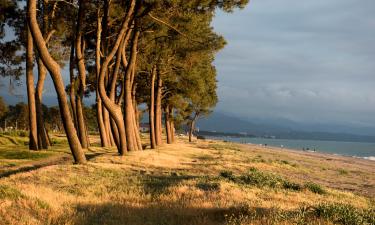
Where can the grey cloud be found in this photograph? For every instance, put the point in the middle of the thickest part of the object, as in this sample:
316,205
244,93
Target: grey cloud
301,60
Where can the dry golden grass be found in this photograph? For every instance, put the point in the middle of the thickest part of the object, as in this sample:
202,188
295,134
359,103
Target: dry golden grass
186,184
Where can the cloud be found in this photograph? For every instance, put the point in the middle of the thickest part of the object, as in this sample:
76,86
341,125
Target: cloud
301,60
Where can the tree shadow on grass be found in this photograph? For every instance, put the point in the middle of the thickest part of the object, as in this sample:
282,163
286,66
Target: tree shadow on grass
159,184
163,214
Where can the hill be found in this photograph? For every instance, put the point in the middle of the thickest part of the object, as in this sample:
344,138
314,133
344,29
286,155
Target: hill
284,129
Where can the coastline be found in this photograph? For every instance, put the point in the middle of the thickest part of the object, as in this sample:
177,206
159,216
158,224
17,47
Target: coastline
318,151
332,170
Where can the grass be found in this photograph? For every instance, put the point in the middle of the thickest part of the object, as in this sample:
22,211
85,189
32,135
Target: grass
24,154
205,183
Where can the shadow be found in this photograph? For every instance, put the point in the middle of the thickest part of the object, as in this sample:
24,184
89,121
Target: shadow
171,214
63,160
177,213
159,184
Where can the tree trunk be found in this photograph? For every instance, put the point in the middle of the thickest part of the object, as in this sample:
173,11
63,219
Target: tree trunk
82,76
173,131
191,129
55,72
33,130
158,113
104,138
136,116
151,109
168,130
72,93
129,110
43,140
112,107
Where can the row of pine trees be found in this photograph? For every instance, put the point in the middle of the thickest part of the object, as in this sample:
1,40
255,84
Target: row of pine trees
157,54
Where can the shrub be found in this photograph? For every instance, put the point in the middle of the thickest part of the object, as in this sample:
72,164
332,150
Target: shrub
227,174
345,214
258,178
292,186
7,192
315,188
208,186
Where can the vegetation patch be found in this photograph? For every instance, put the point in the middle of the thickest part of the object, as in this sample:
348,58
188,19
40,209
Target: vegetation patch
208,185
343,214
7,192
315,188
23,154
260,179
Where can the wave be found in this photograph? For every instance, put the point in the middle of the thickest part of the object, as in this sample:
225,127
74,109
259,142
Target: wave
372,158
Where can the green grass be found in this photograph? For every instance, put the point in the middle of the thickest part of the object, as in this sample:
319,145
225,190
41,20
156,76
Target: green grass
7,192
23,154
315,188
263,179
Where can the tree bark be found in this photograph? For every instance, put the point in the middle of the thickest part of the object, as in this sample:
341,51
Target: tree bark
167,121
43,140
72,92
33,130
129,110
158,113
82,76
104,138
151,109
136,115
112,107
54,69
192,127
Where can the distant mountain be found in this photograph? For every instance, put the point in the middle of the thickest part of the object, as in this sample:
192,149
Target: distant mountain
285,129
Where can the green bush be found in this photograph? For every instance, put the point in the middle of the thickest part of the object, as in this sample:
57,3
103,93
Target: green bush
208,186
315,188
227,174
259,178
345,214
7,192
291,186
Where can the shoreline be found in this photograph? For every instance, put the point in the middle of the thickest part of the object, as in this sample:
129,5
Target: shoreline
370,158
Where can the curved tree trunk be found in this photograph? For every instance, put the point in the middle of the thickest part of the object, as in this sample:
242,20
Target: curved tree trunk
43,139
151,109
113,108
55,72
33,132
129,110
104,138
82,76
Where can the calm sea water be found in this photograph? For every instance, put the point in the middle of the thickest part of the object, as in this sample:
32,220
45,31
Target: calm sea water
357,149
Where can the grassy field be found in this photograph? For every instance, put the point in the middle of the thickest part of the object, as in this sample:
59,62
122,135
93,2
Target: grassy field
206,182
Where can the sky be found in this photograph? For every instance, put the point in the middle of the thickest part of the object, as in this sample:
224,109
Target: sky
305,61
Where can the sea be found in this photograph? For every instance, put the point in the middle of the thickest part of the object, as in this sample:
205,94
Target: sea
353,149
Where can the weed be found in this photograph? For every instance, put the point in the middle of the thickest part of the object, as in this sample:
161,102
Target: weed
345,214
343,172
259,178
315,188
208,186
291,186
23,154
227,174
7,192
